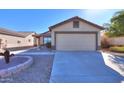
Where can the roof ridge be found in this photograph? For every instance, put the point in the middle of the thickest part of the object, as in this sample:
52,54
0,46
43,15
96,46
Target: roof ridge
76,17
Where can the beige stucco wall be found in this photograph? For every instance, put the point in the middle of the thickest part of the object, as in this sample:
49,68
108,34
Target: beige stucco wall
41,40
116,41
69,27
32,40
11,41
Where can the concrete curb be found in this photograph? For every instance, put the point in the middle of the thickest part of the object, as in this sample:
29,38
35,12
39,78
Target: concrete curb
16,69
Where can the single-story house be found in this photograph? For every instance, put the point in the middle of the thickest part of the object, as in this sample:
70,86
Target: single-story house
45,37
12,39
75,34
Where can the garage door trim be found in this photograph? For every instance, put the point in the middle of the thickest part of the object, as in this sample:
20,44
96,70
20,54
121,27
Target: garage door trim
79,32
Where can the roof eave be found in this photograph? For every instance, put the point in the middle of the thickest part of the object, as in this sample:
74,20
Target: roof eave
76,17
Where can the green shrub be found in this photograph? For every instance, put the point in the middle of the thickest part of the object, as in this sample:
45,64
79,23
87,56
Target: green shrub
119,49
48,44
113,34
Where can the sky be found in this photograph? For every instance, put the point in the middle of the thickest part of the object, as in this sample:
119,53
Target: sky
38,20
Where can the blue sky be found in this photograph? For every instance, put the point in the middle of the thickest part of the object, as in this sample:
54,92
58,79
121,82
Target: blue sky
39,20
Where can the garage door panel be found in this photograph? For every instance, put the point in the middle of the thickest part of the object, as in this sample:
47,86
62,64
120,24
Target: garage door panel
75,41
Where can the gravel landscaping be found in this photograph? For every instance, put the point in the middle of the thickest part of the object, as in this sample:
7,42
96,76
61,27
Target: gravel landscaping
114,61
39,72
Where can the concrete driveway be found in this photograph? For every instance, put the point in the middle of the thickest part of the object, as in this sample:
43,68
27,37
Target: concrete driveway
83,67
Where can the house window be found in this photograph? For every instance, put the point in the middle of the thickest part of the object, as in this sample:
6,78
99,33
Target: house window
75,24
18,41
5,43
29,40
0,41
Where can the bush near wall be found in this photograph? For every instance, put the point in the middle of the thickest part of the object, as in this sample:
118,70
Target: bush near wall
119,49
105,42
48,44
112,34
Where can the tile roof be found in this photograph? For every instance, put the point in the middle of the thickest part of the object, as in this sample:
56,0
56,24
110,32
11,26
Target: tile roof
9,32
26,33
13,33
46,34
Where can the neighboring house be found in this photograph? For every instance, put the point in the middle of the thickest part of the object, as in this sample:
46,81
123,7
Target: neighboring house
75,34
29,39
11,39
38,39
45,37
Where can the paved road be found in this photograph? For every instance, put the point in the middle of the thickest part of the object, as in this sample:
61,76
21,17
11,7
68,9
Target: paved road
84,67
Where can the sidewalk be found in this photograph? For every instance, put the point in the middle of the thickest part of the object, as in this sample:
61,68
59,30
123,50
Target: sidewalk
34,51
21,51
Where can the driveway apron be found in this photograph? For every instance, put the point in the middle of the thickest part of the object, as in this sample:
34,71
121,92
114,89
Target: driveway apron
82,67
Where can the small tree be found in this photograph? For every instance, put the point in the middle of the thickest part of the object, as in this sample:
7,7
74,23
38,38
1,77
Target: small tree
117,25
106,26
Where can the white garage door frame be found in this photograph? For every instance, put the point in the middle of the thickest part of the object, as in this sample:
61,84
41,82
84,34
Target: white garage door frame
79,32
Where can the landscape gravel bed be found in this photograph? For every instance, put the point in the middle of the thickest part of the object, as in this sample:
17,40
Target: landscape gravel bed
17,64
39,72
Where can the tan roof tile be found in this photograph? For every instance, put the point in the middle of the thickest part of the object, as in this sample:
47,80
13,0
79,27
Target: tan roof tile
9,32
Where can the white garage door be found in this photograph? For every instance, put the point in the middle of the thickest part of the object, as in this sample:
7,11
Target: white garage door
76,41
